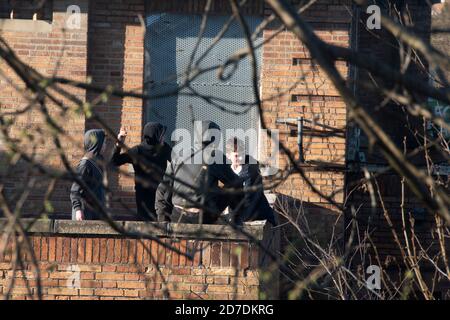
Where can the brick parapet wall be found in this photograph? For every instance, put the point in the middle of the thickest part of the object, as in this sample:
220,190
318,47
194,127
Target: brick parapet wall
89,260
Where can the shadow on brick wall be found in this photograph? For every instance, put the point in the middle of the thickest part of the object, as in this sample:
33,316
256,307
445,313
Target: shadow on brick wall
301,224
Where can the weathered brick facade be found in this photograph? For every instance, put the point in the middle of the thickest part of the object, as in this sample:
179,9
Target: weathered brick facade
108,49
390,217
116,58
294,86
112,53
89,260
440,20
51,51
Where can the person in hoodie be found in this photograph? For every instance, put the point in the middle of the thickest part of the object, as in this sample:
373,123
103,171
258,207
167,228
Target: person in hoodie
149,160
255,205
90,171
190,191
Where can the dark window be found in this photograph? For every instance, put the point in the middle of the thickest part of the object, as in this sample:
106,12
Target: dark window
26,9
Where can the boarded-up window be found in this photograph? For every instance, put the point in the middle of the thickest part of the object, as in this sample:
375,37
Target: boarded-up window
170,43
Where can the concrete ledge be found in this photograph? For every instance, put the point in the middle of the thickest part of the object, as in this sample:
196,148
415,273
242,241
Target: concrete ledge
138,229
24,25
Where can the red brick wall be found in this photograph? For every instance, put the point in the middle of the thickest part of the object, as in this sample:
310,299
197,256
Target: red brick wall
198,6
315,99
109,49
116,58
372,219
322,103
305,91
51,52
117,267
441,19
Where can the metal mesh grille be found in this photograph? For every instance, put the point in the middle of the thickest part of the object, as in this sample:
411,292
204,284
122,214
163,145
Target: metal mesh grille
170,41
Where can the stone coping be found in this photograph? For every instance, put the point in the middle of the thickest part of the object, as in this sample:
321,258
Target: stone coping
140,229
25,25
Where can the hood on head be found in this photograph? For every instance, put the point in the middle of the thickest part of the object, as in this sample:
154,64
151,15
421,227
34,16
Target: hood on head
204,133
153,131
93,141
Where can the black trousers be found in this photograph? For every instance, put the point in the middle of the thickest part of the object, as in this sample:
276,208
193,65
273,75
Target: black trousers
145,203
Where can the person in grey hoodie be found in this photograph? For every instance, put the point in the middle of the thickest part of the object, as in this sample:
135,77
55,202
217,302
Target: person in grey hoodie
187,183
90,171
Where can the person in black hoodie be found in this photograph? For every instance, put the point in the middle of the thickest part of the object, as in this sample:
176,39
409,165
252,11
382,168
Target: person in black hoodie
255,205
149,160
90,171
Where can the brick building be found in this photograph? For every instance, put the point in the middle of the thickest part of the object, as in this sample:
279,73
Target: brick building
110,46
399,209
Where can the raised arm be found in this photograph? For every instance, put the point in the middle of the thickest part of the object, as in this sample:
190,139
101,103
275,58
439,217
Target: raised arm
119,158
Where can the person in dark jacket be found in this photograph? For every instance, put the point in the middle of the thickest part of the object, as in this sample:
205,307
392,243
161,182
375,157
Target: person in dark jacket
190,191
255,205
149,160
90,171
